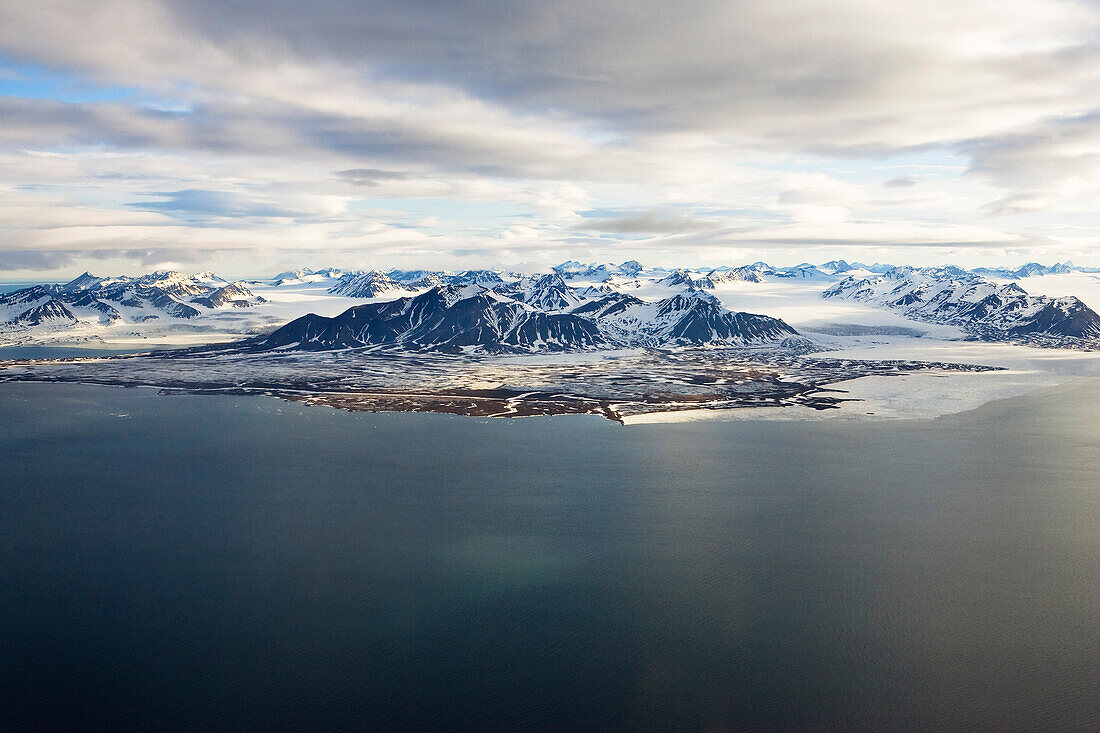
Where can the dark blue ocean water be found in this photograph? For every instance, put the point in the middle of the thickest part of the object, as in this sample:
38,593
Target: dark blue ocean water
222,563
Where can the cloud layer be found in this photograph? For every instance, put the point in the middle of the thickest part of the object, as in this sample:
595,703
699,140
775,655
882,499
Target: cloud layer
249,135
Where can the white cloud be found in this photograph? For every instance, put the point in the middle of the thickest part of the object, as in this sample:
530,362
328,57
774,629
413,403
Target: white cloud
709,124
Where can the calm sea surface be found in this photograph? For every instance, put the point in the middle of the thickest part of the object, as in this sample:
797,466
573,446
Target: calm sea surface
201,563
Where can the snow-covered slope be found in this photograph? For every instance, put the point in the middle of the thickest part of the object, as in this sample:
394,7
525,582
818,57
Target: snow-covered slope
541,315
447,318
365,285
688,317
546,292
573,270
485,278
171,308
1029,270
307,275
753,273
759,272
979,306
1083,285
682,278
89,300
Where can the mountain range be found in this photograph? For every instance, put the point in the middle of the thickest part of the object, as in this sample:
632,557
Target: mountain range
166,294
544,316
950,295
592,305
627,274
375,283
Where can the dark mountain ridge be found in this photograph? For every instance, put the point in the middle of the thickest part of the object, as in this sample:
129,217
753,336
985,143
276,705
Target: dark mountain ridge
453,319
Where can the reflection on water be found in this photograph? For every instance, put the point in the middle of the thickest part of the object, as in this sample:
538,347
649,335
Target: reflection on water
198,562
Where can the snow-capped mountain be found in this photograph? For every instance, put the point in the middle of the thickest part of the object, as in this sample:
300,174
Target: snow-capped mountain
1034,269
630,305
613,284
423,279
553,317
233,294
984,308
360,283
447,318
688,317
630,268
803,271
175,284
307,275
365,285
546,292
573,270
681,279
1031,269
759,272
754,273
107,300
406,276
485,278
835,267
428,280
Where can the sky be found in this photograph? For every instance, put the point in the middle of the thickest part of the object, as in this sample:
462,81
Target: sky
249,138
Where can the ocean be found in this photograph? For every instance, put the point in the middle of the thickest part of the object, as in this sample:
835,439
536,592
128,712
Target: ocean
234,563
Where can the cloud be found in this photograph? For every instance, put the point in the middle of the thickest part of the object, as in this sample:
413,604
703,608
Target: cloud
651,222
1061,154
853,75
370,176
1018,204
191,202
264,124
34,260
857,74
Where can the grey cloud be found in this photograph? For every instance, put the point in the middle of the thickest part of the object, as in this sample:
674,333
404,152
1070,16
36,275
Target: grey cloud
765,238
33,259
1040,156
39,122
700,58
852,78
273,129
409,142
857,243
1020,203
120,176
53,260
853,75
755,77
804,74
652,222
44,123
370,176
900,182
194,202
819,195
155,256
483,252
